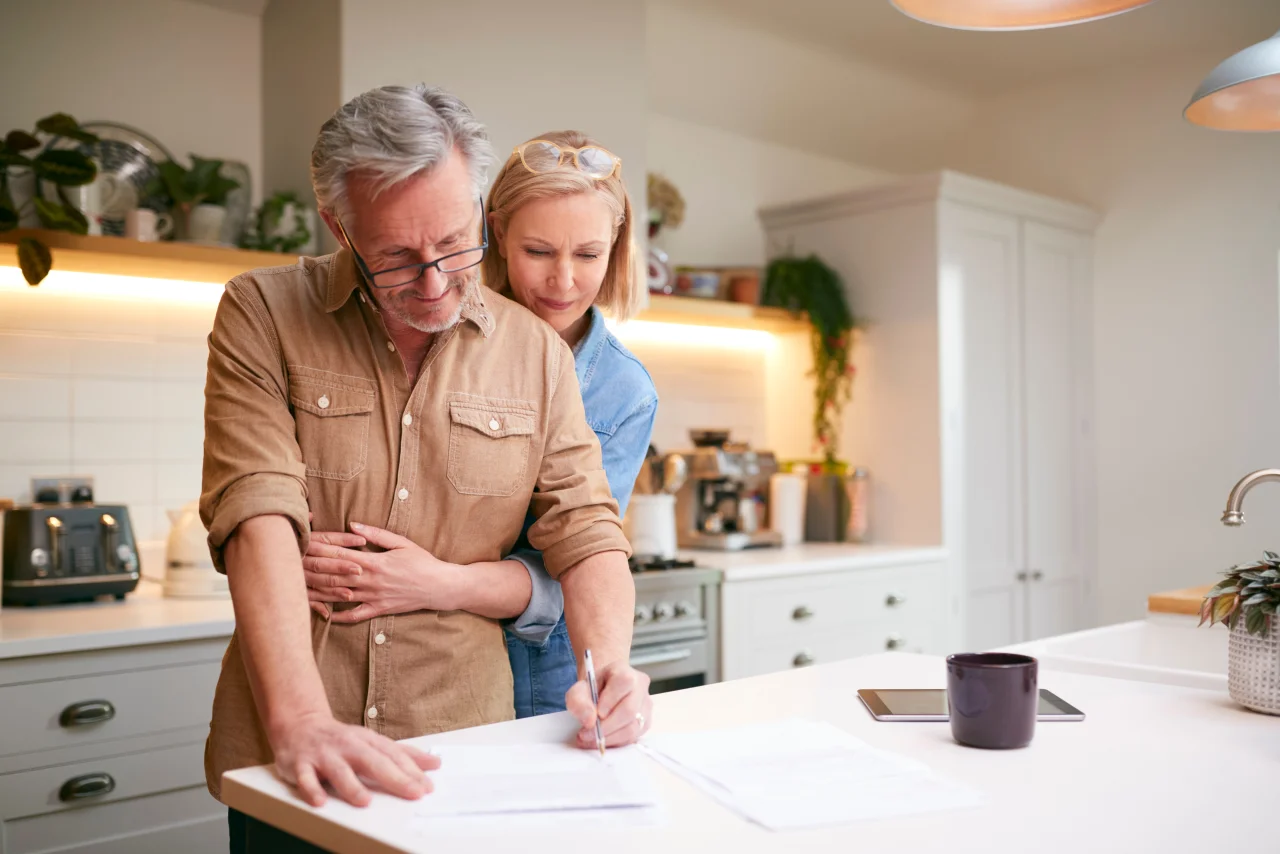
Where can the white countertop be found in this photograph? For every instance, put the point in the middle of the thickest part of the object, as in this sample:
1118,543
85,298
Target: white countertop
1141,773
144,617
807,558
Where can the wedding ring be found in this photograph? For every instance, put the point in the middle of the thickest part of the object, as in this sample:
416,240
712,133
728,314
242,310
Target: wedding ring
640,719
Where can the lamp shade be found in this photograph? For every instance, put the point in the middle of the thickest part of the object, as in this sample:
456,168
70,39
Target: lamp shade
1243,93
1012,14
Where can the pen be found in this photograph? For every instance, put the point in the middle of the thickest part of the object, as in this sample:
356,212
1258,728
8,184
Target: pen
595,699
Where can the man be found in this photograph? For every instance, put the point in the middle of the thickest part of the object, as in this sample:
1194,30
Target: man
381,385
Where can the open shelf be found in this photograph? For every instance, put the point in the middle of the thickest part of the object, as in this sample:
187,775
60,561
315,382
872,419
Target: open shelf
190,262
119,256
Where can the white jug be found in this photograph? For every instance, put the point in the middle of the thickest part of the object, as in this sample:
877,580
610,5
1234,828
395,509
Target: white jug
189,571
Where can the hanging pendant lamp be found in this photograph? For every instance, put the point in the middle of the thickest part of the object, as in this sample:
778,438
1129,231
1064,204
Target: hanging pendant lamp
1243,93
1012,14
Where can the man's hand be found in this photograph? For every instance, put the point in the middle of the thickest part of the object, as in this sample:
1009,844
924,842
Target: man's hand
316,749
626,710
404,578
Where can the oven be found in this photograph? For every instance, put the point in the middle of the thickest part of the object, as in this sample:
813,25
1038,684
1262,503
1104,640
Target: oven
676,634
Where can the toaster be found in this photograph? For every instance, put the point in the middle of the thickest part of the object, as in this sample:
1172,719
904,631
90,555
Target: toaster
53,553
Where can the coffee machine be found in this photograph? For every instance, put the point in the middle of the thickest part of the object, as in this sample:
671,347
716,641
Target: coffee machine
724,502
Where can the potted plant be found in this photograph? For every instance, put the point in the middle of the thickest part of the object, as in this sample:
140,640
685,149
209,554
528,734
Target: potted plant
198,196
22,180
1246,600
280,226
810,285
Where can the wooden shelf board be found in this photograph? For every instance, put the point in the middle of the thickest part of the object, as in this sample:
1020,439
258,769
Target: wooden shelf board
1185,601
120,256
709,312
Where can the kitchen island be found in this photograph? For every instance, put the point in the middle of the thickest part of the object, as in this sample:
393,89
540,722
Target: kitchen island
1110,783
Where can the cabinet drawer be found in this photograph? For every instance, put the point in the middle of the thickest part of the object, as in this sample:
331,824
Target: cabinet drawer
796,609
35,792
188,821
141,702
773,655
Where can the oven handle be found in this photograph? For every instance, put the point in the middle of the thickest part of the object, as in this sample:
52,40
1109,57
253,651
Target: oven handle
665,656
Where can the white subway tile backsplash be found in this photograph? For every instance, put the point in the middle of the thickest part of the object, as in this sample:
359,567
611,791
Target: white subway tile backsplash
112,441
186,360
106,357
179,399
143,519
121,483
34,397
179,440
15,479
33,354
177,483
35,442
123,399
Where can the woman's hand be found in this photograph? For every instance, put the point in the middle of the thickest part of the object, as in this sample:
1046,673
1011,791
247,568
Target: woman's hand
405,577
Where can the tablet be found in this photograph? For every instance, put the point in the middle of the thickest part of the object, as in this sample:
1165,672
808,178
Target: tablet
931,705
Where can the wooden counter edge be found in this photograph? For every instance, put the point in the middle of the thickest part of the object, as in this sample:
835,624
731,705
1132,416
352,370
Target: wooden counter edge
1184,601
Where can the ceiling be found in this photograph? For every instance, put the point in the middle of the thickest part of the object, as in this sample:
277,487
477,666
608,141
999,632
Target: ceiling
986,63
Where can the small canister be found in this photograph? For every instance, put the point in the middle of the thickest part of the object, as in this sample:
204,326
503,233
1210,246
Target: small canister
858,491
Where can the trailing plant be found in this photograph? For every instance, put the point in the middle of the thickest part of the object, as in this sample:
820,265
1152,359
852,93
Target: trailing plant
62,167
261,232
1250,592
809,285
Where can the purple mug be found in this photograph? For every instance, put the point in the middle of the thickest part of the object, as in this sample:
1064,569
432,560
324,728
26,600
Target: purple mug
992,699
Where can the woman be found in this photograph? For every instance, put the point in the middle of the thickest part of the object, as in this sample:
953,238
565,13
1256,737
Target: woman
561,224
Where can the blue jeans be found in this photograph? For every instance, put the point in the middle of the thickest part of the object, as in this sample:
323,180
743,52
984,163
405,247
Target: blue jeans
543,673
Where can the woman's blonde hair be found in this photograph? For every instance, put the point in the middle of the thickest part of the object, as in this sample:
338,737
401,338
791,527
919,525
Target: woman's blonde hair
515,186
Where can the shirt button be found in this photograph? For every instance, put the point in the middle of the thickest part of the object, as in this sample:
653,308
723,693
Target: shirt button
402,494
379,638
323,402
391,345
493,424
408,419
373,712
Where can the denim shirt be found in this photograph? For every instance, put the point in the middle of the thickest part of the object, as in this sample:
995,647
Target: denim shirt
620,402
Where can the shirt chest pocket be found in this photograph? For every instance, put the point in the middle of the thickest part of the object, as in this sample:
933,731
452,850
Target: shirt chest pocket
488,446
332,414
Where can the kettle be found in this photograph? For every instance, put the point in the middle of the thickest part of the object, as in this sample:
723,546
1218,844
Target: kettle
189,572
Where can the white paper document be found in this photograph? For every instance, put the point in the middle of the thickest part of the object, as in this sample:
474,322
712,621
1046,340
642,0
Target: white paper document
799,773
535,778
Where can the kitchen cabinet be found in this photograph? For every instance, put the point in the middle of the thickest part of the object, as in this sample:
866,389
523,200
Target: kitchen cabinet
102,748
973,403
818,603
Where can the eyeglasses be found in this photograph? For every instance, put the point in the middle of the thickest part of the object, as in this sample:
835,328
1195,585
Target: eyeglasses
454,262
541,155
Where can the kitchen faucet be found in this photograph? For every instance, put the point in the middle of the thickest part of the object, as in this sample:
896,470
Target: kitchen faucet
1233,516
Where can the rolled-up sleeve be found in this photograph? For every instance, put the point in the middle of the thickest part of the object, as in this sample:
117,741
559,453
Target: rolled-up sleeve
576,516
546,600
252,463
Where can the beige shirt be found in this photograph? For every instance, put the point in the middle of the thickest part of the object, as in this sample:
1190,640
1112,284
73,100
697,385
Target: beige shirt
308,408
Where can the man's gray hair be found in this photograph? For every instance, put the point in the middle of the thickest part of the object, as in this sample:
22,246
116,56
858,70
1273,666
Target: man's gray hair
393,133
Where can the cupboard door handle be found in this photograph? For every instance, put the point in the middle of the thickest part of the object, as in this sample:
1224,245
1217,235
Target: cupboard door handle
894,642
1037,575
802,659
804,612
87,786
87,712
893,600
1021,576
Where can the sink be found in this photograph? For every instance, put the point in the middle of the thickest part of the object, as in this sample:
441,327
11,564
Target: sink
1158,649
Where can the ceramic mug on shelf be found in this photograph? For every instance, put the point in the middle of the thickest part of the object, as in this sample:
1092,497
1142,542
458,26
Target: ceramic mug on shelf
146,225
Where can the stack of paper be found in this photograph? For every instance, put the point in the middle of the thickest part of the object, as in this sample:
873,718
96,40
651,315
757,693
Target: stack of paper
800,773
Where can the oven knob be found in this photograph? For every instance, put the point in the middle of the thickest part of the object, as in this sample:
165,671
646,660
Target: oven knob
643,614
686,609
663,611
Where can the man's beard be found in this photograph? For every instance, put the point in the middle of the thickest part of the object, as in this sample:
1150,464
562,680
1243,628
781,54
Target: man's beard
397,306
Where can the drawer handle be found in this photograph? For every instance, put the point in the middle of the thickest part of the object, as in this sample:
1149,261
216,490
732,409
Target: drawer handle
87,786
87,712
804,612
803,659
893,600
894,642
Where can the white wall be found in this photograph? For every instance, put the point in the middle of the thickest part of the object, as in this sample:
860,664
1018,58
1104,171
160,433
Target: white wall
522,69
725,178
186,73
1185,306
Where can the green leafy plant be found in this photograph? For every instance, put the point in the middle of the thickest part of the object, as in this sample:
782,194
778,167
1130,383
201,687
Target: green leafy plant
1251,592
809,285
62,167
261,233
202,184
